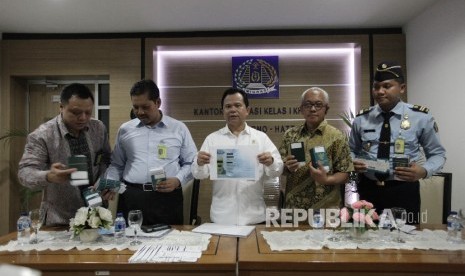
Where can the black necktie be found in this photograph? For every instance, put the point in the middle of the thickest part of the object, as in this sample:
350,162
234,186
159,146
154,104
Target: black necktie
384,143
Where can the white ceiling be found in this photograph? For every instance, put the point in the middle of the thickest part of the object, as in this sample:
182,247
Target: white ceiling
124,16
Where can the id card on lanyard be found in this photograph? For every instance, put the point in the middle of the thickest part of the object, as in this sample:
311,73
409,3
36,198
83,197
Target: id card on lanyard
162,151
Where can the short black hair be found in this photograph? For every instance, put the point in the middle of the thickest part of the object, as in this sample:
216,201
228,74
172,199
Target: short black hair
75,89
146,86
233,90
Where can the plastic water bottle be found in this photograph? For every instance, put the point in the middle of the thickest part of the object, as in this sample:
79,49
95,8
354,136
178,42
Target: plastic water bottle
318,220
453,227
23,226
120,228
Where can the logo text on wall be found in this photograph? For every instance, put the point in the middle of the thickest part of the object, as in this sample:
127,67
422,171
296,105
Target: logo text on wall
257,76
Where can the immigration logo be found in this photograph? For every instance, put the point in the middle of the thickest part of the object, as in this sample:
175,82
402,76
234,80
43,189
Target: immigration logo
257,76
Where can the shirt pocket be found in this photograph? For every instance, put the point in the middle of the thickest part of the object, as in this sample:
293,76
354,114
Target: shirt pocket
411,141
173,148
368,140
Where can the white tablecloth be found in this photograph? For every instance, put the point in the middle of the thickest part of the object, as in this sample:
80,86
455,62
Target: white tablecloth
318,239
62,240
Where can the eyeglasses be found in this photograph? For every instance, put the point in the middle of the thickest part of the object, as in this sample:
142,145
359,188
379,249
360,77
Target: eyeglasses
309,105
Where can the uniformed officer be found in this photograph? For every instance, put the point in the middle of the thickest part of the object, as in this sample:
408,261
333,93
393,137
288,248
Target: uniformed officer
394,131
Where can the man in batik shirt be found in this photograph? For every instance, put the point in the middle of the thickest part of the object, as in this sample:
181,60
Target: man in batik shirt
308,187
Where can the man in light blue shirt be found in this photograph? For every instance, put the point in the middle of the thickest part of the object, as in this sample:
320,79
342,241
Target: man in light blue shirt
394,131
149,142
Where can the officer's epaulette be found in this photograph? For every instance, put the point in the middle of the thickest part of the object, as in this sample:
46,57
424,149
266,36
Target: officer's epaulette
364,111
419,108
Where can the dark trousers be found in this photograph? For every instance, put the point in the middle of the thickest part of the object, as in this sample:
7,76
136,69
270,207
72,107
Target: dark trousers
393,194
156,207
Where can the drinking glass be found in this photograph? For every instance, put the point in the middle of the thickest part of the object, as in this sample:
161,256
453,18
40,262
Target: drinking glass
37,217
334,214
385,225
400,218
135,221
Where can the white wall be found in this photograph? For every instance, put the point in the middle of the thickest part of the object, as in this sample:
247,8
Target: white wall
436,79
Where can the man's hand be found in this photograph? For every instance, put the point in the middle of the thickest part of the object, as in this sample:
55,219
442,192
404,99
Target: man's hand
412,173
58,173
203,158
360,166
265,158
291,163
319,174
107,194
169,185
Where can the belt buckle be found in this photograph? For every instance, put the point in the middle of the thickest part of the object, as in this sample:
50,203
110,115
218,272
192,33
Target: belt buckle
380,183
147,189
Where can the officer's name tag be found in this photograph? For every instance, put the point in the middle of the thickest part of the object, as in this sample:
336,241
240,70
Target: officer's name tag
377,165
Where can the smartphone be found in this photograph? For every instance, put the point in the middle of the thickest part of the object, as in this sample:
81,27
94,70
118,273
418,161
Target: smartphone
155,227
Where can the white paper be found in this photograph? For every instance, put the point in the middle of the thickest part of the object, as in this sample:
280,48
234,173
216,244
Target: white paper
226,230
234,162
166,253
378,165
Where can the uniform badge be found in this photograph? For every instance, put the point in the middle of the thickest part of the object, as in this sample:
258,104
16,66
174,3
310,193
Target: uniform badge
367,147
405,124
435,126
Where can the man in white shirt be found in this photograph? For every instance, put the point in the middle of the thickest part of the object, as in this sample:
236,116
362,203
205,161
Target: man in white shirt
237,201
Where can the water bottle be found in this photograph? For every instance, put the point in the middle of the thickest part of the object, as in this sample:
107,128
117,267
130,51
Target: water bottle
453,227
120,228
23,226
318,220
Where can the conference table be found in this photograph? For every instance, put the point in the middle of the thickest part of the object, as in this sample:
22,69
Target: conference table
219,259
245,256
256,258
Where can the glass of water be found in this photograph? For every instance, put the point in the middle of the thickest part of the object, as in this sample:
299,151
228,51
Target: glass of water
135,222
400,218
37,217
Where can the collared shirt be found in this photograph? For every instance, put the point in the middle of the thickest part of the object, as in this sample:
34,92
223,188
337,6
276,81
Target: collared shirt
302,191
366,128
140,148
239,202
47,145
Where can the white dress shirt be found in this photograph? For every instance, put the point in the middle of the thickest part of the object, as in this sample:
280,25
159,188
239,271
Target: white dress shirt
239,202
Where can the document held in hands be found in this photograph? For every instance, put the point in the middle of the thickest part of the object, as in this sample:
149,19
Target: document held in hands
377,165
319,156
298,150
226,230
234,162
81,176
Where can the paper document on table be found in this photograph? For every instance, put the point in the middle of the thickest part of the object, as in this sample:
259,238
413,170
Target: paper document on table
234,162
166,253
226,230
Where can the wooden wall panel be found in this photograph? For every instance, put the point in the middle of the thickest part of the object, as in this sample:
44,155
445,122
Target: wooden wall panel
12,150
192,87
117,59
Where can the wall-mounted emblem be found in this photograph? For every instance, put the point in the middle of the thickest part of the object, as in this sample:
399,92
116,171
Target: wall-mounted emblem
257,76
